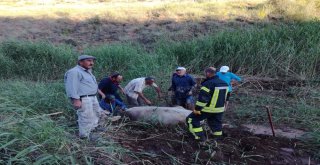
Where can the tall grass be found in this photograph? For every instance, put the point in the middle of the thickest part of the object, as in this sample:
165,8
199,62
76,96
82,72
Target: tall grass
286,51
29,136
36,61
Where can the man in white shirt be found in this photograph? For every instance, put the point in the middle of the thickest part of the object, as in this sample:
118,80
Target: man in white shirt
134,90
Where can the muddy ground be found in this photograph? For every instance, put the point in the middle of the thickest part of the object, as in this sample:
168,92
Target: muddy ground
149,144
155,144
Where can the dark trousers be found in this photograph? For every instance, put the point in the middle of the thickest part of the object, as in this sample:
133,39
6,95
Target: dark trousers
214,121
135,102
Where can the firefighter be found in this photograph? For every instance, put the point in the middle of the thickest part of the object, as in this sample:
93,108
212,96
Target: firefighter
210,106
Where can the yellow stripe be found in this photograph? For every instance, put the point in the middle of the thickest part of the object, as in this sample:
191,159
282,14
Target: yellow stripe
205,89
198,129
213,110
219,133
201,104
215,98
191,129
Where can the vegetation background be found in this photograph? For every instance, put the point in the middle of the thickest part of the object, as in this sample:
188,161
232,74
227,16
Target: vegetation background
259,39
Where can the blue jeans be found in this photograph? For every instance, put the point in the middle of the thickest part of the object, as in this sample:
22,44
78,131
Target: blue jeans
185,101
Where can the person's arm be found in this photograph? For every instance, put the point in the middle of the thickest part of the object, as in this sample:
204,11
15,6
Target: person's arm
121,89
101,85
235,77
158,90
72,85
148,102
173,85
193,84
204,97
103,96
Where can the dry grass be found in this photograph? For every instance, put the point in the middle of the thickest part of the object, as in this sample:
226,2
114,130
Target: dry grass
137,11
90,22
178,11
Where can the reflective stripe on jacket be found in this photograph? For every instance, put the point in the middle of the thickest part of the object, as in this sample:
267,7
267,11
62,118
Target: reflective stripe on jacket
212,96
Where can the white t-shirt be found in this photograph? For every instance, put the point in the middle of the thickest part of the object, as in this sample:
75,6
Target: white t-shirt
136,85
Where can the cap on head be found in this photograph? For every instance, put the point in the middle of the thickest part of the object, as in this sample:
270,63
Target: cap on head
211,70
83,57
149,78
181,68
224,69
115,75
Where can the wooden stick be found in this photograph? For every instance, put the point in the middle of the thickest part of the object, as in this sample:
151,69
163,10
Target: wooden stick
270,120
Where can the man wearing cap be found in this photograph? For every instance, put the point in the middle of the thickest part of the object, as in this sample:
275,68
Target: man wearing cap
228,77
81,88
110,86
182,86
210,106
134,89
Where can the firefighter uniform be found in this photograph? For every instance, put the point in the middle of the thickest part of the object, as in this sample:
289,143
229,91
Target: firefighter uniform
210,106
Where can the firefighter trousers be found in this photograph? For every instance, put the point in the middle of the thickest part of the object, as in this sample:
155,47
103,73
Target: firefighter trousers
214,121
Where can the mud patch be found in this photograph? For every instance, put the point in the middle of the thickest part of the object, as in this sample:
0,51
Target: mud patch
264,130
149,144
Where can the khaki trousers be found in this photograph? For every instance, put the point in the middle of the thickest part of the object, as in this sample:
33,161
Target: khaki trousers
88,115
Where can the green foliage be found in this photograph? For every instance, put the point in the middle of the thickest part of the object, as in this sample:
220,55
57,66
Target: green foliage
35,61
287,50
132,61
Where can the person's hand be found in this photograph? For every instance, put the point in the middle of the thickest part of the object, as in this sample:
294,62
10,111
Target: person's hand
148,102
196,112
103,96
122,91
76,103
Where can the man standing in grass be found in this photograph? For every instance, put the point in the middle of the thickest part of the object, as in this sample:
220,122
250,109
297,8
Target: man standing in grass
210,106
182,86
81,87
228,77
134,90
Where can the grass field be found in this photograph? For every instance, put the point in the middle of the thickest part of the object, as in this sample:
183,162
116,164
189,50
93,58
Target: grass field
82,24
273,40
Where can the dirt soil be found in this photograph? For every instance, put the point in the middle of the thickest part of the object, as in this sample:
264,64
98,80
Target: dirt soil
173,145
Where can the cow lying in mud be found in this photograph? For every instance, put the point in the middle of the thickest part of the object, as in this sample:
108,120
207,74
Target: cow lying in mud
162,115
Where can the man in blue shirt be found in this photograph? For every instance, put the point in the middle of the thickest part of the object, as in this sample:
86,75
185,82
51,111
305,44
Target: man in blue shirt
111,104
110,85
182,86
228,77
